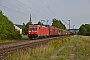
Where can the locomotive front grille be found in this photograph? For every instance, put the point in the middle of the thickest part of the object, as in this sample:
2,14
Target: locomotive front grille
32,35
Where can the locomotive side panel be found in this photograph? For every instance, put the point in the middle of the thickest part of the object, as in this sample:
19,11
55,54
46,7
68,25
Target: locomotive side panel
43,31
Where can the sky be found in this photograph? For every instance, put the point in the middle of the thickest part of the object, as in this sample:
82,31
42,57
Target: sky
18,11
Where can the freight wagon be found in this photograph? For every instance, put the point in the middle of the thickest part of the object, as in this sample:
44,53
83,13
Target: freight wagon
53,31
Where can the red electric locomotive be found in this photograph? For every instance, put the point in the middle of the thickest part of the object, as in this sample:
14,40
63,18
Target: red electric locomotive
37,31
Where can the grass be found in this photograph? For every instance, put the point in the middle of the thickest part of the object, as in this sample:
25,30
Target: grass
44,52
24,37
3,41
65,53
83,48
39,53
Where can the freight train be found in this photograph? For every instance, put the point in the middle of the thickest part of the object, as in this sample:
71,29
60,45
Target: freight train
36,31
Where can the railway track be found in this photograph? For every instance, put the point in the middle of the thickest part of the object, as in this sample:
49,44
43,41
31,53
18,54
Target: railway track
22,45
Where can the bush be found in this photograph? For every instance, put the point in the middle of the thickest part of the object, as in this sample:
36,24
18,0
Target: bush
7,29
84,30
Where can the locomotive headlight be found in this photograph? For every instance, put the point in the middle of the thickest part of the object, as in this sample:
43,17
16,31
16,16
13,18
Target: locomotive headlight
29,31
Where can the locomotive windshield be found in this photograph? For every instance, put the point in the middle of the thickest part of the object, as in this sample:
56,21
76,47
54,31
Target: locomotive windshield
33,27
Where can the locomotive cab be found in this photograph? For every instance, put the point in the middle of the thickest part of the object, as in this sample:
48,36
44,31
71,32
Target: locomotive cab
32,31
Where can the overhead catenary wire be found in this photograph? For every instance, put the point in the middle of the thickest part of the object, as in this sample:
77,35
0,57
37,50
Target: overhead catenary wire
14,10
39,7
34,16
67,23
24,10
18,11
31,8
10,3
48,7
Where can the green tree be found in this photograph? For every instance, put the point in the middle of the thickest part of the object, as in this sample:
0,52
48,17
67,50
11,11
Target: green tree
87,27
82,30
39,23
58,24
7,29
25,28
